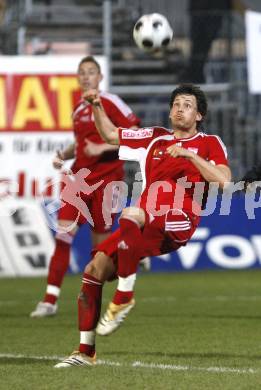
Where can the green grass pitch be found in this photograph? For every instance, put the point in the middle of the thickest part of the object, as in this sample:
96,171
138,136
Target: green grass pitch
198,330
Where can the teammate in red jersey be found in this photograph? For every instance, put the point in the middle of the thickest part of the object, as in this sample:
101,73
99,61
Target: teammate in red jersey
100,161
174,164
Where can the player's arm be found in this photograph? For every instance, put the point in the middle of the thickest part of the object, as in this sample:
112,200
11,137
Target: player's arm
93,149
212,173
63,155
220,174
69,152
105,127
108,148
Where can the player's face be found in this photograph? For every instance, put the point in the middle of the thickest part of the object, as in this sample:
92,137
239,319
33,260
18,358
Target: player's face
89,76
184,113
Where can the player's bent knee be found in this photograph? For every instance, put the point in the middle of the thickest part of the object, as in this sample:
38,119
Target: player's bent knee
134,214
101,267
66,231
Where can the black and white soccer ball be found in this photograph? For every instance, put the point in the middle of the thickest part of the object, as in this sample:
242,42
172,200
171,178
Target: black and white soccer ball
152,32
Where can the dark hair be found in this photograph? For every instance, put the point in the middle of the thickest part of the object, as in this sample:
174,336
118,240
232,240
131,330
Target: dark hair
191,89
90,59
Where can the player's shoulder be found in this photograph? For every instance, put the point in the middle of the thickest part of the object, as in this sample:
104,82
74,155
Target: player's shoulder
214,141
80,105
108,95
158,130
212,138
111,98
208,136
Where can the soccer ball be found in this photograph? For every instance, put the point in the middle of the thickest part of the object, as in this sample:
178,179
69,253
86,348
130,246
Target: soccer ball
152,32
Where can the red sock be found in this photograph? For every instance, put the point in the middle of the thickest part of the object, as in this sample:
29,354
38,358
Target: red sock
88,350
121,297
50,298
58,267
129,250
129,247
89,308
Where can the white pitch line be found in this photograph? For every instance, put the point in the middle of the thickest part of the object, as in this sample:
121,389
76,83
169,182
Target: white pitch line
32,357
172,299
191,368
139,364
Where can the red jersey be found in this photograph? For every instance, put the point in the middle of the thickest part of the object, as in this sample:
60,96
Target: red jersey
84,128
148,147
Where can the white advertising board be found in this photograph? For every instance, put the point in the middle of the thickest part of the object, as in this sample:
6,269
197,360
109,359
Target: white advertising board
26,163
25,238
37,97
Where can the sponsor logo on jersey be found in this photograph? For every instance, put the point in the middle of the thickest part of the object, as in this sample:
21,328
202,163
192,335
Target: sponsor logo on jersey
157,153
122,245
137,134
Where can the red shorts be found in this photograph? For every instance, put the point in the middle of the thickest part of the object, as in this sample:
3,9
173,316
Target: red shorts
102,217
161,234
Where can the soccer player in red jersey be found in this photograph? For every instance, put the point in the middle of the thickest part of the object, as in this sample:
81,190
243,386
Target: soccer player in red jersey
175,164
100,161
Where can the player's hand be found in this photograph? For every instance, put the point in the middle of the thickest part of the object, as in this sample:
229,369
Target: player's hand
92,149
253,174
58,160
92,96
252,178
177,151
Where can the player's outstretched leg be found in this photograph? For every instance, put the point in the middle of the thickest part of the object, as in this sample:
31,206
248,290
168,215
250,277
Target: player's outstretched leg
96,273
129,249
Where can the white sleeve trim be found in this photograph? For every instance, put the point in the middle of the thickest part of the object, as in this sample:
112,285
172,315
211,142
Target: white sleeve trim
127,153
221,144
118,102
